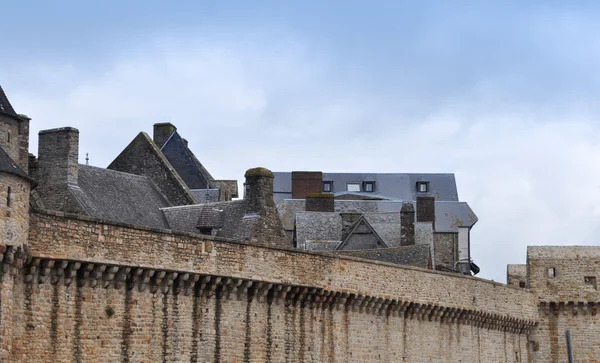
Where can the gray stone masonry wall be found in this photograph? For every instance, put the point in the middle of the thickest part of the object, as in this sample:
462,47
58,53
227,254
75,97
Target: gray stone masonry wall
516,275
10,126
23,160
445,247
268,229
57,166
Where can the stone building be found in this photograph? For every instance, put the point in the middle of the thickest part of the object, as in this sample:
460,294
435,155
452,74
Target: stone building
167,152
327,211
103,265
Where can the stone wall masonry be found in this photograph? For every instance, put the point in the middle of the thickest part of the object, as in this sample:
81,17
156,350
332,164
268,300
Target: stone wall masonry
564,280
92,291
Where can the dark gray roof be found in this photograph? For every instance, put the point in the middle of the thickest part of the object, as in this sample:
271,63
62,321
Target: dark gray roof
401,186
185,163
120,197
5,106
448,215
210,217
236,224
416,255
318,227
8,165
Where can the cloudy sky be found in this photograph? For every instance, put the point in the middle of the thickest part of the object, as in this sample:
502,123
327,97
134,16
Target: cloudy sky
505,95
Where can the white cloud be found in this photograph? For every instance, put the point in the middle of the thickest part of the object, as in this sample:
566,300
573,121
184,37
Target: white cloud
529,175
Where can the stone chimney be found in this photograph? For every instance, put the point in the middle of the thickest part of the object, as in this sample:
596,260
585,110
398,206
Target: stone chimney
267,229
24,142
58,156
259,188
319,202
162,132
425,225
407,224
304,182
348,221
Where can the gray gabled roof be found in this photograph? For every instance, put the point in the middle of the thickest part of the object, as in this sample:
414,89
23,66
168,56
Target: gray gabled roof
400,186
121,197
448,215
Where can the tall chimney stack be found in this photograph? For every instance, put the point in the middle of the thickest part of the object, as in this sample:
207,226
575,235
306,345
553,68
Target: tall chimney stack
319,202
426,209
259,187
58,156
407,224
162,132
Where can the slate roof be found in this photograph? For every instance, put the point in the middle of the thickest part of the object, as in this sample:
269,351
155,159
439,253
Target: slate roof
185,163
416,255
8,165
448,215
120,197
236,224
400,186
318,226
5,106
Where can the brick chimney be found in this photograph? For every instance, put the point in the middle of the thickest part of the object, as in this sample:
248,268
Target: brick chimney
162,132
426,209
58,156
407,224
319,202
304,182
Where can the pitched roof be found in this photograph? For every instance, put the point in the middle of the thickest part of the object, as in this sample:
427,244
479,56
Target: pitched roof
401,186
193,173
142,157
361,226
415,255
120,197
448,215
8,165
5,106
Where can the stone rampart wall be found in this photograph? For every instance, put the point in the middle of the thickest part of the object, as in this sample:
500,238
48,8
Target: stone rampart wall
92,291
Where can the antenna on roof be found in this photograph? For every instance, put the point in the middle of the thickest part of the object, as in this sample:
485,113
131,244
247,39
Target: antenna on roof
87,159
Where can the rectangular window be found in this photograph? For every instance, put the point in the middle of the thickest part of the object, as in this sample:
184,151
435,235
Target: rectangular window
327,186
369,186
423,187
353,187
551,272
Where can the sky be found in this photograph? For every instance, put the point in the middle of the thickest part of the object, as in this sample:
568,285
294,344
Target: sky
503,94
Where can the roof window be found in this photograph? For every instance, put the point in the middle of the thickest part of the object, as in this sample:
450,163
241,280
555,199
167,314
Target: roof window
369,186
353,187
423,187
327,186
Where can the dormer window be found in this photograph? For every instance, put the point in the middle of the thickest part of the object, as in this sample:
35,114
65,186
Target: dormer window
369,186
353,187
327,186
423,187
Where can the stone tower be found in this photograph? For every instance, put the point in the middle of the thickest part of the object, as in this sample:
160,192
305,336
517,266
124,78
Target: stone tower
15,186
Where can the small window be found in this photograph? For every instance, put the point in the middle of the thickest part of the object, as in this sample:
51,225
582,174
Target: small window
423,187
522,284
369,186
353,187
327,186
551,272
8,137
8,196
590,280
